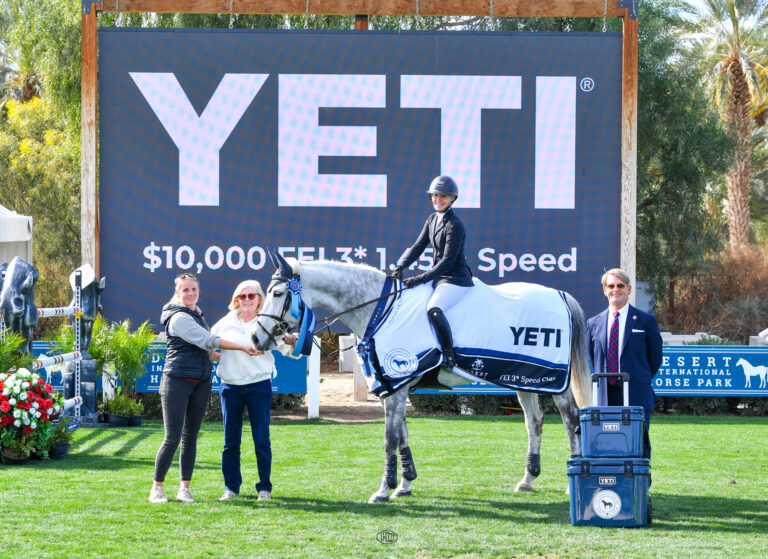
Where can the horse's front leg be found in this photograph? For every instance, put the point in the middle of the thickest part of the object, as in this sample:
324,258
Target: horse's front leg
394,415
534,420
569,411
407,467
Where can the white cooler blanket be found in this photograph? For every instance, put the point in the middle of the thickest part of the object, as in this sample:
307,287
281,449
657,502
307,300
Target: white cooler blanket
515,335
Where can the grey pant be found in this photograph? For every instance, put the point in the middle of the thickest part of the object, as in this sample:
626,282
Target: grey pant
184,402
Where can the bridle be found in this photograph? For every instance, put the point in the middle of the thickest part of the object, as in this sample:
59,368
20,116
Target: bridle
281,327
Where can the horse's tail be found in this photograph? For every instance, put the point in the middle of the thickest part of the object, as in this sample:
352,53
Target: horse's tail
581,372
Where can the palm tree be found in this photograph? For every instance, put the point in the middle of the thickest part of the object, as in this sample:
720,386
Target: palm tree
730,40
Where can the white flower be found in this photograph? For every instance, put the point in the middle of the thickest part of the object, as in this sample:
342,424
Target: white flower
57,407
6,391
12,401
35,405
23,396
16,389
49,412
33,425
3,376
17,423
17,413
38,414
25,385
25,420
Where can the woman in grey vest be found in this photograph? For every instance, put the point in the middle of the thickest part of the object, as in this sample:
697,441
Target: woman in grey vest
186,383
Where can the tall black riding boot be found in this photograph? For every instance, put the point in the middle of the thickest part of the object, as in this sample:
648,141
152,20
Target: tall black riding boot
444,336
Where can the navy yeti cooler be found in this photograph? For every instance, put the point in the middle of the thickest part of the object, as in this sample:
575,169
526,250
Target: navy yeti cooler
611,431
609,491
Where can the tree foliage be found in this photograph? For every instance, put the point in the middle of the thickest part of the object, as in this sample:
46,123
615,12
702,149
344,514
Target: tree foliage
729,40
682,152
40,176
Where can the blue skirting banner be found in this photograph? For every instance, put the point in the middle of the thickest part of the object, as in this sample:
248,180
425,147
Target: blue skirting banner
687,371
291,375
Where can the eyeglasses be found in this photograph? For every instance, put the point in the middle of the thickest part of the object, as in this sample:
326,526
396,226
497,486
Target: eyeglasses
616,285
244,296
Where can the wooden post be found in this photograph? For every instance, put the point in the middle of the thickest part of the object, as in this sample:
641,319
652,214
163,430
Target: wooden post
89,208
629,149
361,22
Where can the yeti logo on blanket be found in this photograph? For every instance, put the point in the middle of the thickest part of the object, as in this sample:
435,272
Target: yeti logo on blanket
515,335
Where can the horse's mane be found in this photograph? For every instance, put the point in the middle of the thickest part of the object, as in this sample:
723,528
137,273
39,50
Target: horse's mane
360,266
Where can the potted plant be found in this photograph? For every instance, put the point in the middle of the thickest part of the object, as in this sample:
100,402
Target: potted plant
28,406
19,451
130,351
61,438
118,409
137,409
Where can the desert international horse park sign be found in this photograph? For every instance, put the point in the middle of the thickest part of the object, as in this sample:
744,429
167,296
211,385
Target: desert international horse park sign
712,371
688,371
216,145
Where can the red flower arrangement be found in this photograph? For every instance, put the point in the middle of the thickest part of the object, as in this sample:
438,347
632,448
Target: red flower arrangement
28,406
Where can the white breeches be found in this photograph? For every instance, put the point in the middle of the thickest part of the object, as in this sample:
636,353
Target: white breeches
446,295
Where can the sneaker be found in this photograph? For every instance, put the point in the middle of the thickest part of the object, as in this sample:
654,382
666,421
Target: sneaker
228,495
184,495
157,494
265,495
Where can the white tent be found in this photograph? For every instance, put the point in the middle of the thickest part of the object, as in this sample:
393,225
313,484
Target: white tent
15,236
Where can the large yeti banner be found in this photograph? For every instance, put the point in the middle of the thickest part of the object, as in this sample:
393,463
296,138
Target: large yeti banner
216,146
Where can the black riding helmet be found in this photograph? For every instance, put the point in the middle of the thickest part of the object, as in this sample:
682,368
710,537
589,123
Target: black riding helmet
444,185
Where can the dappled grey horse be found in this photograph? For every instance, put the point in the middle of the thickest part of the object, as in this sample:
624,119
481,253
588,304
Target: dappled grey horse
345,288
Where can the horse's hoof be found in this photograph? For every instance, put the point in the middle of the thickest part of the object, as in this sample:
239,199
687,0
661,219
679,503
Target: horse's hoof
398,494
523,487
378,499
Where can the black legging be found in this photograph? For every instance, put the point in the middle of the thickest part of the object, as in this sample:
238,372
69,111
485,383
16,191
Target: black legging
184,402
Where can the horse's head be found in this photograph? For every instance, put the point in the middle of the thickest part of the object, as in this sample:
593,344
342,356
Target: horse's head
90,301
279,313
17,298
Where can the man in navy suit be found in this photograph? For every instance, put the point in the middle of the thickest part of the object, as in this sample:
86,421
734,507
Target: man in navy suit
639,346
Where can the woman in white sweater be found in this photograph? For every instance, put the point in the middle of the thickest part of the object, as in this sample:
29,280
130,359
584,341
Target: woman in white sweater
246,382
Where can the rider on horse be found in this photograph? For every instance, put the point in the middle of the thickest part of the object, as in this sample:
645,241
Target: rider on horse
450,275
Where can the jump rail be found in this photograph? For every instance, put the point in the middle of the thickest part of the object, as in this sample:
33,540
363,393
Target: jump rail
74,356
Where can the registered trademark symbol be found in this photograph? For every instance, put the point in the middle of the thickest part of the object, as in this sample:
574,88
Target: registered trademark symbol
587,84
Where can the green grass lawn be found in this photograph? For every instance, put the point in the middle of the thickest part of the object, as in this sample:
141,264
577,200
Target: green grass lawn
710,495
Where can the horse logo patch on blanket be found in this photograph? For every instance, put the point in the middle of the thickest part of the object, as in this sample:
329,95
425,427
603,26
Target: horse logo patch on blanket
515,335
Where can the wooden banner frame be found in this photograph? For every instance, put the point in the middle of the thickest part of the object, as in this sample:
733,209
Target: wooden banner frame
498,8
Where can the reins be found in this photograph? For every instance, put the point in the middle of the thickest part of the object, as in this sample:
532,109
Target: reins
327,322
331,320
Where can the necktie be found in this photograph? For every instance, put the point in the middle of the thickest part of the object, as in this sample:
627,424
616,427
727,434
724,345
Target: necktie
613,349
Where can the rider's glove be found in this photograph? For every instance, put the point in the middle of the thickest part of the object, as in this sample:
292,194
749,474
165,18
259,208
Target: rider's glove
397,273
410,282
